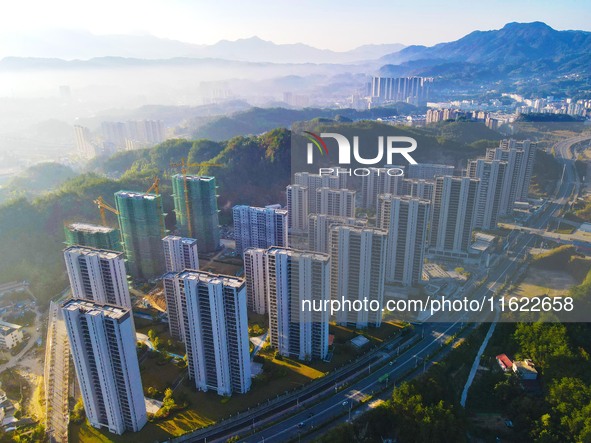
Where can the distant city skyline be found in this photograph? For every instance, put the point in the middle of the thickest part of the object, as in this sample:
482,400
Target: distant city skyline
328,25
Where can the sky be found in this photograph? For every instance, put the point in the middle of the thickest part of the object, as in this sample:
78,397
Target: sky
328,24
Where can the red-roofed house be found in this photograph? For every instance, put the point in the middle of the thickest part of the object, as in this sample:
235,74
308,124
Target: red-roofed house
504,362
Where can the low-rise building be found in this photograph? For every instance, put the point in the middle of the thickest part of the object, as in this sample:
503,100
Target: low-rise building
525,369
10,335
504,362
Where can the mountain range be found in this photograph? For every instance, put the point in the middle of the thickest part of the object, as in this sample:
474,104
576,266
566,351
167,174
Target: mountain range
84,45
517,48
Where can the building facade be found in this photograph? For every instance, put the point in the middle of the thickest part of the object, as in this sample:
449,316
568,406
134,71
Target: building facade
491,174
97,275
454,205
103,346
141,220
335,202
215,326
297,208
294,278
180,253
94,236
319,229
259,227
406,219
201,203
358,262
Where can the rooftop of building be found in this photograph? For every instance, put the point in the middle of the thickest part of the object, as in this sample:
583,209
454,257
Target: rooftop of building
482,242
360,229
337,219
390,197
209,277
327,189
204,178
185,240
87,250
90,228
525,366
291,252
7,328
136,195
91,308
271,208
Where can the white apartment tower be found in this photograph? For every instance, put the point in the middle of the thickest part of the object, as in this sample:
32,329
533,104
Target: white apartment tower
259,227
406,220
297,208
293,278
319,229
335,202
97,275
317,181
254,272
520,157
491,174
358,262
174,305
216,331
180,253
103,346
454,204
380,181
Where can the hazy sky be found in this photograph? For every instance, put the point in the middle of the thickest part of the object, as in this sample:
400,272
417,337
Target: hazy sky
333,24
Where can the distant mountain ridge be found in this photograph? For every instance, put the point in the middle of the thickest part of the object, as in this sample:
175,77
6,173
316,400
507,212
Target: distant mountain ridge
516,43
84,45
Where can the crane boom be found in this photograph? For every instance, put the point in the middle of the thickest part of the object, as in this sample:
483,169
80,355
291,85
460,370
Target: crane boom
102,205
155,186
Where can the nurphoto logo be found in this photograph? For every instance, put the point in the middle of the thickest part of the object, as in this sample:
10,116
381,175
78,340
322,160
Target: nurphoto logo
393,145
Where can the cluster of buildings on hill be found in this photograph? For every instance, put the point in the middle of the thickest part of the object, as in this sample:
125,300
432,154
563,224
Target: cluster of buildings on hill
431,210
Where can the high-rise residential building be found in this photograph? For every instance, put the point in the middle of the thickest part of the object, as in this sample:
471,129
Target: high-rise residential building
337,202
201,203
297,208
358,262
140,133
255,274
103,345
213,308
413,90
317,181
292,279
174,305
259,227
491,174
454,204
94,236
180,253
418,188
427,171
520,157
319,229
406,220
379,181
97,275
115,133
84,144
141,220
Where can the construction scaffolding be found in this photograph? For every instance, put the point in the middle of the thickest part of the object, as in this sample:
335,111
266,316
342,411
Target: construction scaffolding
141,219
56,374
